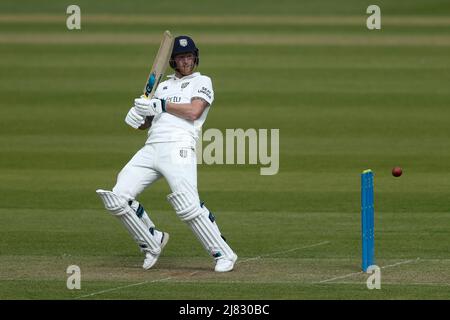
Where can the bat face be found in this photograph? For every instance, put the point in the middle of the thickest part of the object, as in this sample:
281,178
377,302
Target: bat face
159,65
150,84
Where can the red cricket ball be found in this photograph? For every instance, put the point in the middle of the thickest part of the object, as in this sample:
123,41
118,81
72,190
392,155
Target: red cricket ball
397,171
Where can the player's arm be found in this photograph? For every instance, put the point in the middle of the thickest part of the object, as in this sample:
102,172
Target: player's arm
189,111
147,124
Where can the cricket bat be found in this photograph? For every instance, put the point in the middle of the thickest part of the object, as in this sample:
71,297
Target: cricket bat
159,65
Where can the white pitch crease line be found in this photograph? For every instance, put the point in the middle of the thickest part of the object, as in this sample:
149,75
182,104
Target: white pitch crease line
361,272
399,263
341,277
123,287
195,272
435,284
280,252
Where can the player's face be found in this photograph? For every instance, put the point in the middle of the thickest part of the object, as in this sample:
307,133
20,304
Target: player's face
185,63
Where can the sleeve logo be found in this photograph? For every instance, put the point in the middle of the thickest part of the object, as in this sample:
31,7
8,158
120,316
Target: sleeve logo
205,91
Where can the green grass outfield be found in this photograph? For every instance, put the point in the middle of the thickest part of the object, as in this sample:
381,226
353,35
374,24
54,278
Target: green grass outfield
344,98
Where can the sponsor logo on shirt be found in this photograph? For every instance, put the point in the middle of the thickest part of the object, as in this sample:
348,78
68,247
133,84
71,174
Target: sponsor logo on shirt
174,99
205,91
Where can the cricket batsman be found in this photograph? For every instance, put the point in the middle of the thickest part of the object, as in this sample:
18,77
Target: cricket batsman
174,117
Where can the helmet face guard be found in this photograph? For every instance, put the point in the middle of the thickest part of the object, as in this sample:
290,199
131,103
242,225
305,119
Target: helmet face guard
183,44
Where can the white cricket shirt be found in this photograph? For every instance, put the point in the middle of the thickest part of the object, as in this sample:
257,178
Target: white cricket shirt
167,127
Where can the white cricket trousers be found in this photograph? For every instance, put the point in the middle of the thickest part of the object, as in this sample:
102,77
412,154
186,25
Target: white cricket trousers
172,160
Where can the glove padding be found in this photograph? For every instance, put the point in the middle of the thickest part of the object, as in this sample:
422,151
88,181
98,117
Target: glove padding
134,119
149,107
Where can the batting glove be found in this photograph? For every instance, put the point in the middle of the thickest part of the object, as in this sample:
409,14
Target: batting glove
134,119
149,107
158,105
142,106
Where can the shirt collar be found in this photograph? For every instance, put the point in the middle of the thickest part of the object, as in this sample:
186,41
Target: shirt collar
172,76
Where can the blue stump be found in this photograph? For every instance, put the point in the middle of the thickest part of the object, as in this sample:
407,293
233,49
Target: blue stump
367,220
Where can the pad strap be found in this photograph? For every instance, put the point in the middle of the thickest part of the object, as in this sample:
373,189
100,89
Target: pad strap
119,207
209,235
